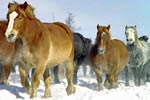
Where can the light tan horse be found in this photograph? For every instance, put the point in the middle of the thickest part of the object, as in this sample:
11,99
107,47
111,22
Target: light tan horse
109,56
6,54
41,46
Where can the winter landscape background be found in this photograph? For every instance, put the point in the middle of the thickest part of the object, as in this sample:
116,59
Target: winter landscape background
86,89
88,14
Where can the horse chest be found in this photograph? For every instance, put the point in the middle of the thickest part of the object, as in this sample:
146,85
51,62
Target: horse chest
26,58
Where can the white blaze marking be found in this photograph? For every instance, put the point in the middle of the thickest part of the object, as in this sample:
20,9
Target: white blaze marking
131,34
12,17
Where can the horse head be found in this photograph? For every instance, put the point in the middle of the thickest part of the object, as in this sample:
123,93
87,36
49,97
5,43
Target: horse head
132,37
16,16
103,36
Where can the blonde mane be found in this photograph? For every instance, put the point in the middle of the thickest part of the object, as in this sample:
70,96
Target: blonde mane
140,45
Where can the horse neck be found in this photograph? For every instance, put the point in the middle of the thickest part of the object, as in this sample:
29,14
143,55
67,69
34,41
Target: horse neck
30,33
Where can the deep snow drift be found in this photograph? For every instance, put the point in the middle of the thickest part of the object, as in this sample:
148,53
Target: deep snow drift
86,89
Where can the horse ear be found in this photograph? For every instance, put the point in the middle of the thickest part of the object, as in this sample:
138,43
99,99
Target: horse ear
126,27
135,26
98,26
108,27
9,5
24,6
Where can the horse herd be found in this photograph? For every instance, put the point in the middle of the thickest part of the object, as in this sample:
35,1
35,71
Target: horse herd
29,43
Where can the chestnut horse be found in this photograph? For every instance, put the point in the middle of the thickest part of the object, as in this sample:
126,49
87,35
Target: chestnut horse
41,46
109,56
6,54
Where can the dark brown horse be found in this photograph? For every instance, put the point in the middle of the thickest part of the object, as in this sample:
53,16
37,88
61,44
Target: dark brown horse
109,56
41,46
6,54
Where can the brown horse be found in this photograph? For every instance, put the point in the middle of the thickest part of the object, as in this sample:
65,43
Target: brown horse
109,56
40,46
6,53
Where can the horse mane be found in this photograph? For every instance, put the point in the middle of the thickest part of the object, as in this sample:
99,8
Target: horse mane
64,27
140,45
94,50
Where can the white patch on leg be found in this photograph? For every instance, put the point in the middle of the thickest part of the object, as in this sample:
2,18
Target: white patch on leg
12,17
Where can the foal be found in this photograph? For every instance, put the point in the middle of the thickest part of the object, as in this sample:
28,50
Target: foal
109,56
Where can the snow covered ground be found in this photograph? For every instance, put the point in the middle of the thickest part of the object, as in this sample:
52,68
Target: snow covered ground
86,89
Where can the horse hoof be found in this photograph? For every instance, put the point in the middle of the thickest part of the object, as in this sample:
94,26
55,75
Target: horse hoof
56,82
100,87
32,96
29,91
75,81
127,84
70,90
46,96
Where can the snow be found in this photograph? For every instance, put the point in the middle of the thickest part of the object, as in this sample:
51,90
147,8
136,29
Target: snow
86,89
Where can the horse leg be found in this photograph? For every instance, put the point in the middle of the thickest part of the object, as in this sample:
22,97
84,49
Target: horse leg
75,77
142,77
91,72
115,83
24,80
84,70
126,76
55,71
47,81
69,74
111,81
6,70
106,83
78,63
39,71
99,77
135,73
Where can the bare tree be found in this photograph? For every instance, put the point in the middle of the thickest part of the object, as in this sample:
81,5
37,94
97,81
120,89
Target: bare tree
71,23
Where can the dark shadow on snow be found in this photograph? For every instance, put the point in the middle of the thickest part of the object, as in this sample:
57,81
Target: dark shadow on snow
13,89
92,86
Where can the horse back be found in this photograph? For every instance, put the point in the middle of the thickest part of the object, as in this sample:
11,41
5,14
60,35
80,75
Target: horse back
61,43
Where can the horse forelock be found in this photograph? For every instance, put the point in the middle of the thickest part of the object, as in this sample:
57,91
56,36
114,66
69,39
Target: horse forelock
102,31
29,11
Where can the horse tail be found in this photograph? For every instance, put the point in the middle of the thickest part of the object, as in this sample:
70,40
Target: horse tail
69,32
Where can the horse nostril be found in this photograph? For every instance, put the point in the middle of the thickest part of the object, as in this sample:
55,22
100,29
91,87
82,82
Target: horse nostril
10,36
130,39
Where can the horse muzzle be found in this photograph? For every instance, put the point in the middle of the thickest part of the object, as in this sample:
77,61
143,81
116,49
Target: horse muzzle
101,51
11,37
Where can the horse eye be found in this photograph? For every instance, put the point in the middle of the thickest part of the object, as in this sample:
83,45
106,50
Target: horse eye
20,18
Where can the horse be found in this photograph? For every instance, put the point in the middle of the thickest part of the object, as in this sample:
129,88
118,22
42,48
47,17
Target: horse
6,54
81,49
40,46
144,38
139,55
107,55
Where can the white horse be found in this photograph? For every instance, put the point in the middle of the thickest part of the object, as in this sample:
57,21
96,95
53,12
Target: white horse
139,55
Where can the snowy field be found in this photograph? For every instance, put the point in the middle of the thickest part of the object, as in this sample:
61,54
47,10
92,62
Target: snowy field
86,89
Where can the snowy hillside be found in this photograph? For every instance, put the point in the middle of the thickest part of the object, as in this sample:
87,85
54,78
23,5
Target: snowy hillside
86,89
